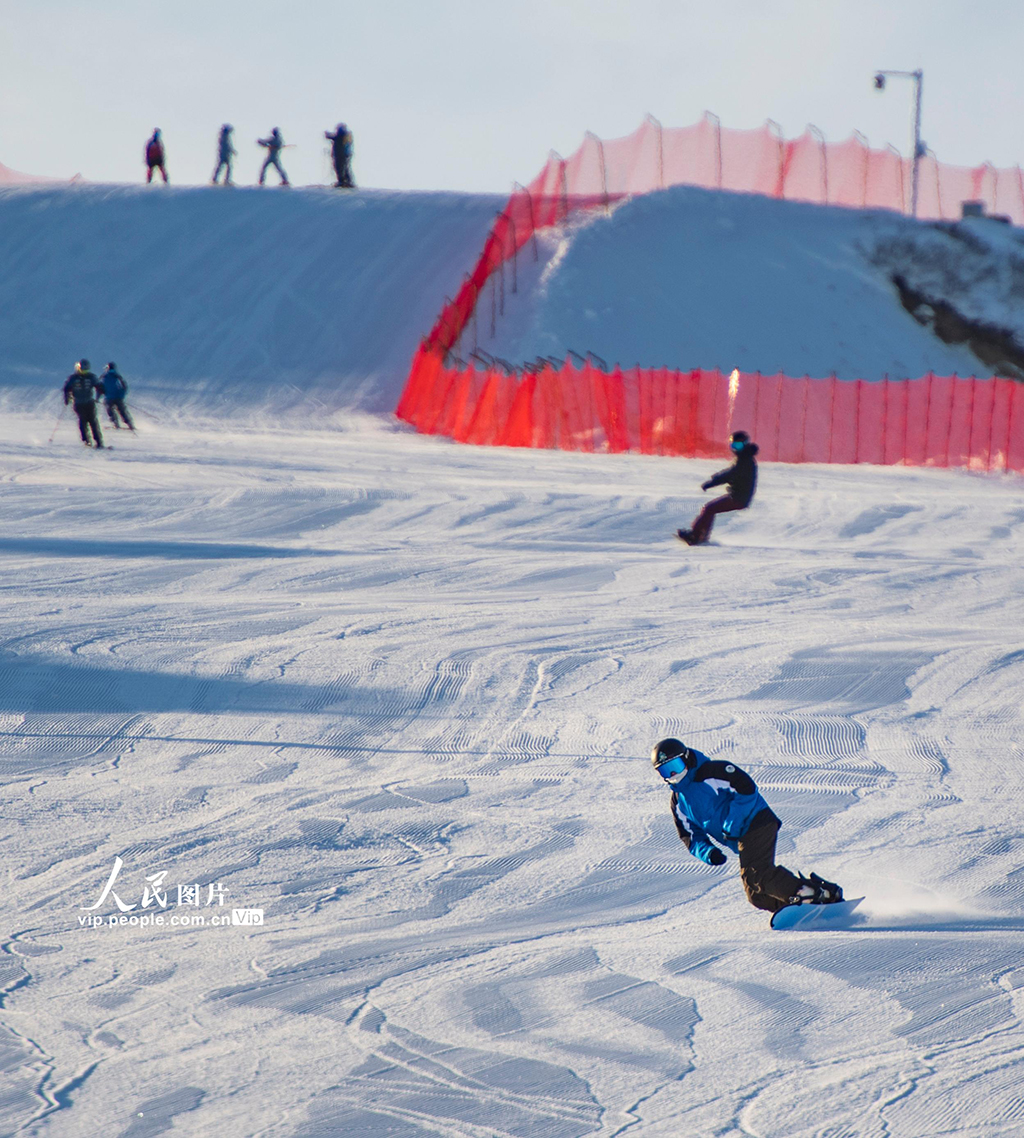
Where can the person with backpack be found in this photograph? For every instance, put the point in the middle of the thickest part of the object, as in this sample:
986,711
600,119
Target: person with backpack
114,390
741,478
225,152
274,144
341,156
715,801
81,388
155,158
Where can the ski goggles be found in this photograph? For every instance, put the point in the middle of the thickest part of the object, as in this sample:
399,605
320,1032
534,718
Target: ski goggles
736,447
674,770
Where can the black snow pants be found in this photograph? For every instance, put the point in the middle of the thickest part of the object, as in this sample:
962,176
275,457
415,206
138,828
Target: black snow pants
769,886
87,421
116,407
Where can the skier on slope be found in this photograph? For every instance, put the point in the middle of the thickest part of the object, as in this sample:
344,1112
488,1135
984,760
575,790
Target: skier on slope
716,800
155,159
114,390
225,152
741,479
81,387
341,156
274,144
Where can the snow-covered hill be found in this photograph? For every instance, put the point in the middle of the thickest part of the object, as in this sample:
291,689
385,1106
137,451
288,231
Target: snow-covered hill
691,278
300,303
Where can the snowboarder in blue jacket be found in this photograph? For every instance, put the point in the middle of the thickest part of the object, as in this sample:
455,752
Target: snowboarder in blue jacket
114,390
715,801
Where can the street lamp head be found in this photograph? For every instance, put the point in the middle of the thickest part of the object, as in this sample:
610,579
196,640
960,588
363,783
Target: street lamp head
879,81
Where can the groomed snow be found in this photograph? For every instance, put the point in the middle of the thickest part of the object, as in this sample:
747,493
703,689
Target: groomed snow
399,694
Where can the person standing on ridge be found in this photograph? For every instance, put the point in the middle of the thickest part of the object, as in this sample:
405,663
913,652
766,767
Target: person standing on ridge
81,387
114,390
225,152
716,800
274,144
155,159
741,478
341,156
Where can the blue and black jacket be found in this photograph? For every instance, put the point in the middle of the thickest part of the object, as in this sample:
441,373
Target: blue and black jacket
714,800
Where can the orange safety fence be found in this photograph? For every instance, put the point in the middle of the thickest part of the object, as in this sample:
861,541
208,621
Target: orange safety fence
945,421
657,411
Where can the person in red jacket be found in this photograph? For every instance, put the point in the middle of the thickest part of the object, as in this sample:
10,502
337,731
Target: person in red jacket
155,156
741,478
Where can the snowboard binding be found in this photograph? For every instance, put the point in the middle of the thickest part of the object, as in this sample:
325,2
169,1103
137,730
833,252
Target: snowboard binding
815,890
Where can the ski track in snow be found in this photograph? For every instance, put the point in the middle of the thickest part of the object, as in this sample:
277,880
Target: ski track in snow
400,694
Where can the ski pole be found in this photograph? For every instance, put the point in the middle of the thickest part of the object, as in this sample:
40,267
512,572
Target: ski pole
57,424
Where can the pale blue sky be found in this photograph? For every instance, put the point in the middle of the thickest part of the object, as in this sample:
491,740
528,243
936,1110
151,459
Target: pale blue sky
472,94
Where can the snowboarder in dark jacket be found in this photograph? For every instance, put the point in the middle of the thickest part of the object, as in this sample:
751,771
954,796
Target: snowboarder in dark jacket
114,390
714,801
274,144
741,478
341,156
155,159
81,388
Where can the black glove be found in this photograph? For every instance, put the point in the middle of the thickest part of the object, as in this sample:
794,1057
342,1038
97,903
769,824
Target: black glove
716,857
705,485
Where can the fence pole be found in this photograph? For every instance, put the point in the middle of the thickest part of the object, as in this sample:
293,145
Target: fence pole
906,416
1010,408
803,425
970,428
899,166
661,152
604,172
867,158
856,426
718,145
991,423
774,128
831,416
885,416
515,256
928,416
949,421
815,133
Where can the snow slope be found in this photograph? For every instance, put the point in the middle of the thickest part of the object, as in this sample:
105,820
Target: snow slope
400,694
229,301
689,278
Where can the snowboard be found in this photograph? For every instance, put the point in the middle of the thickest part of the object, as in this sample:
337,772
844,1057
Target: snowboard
838,915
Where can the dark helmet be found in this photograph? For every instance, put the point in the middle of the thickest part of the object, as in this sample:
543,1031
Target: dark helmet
112,366
342,128
739,437
669,749
82,365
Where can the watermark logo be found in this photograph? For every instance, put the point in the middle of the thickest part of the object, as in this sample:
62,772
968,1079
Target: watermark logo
163,905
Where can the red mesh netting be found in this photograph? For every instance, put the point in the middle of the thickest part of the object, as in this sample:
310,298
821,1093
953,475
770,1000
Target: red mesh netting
942,421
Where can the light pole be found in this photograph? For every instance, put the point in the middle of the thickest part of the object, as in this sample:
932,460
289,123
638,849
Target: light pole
919,147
